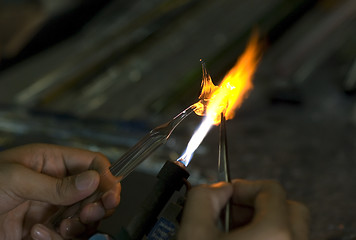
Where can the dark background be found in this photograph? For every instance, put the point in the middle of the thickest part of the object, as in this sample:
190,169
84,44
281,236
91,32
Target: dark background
100,74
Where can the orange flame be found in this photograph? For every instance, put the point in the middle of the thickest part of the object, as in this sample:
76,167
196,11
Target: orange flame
233,89
225,98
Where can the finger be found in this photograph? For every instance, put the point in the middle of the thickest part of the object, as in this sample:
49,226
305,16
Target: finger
54,160
56,191
76,160
95,211
299,219
111,198
83,160
203,206
241,215
208,200
40,232
60,161
73,228
270,208
262,196
92,212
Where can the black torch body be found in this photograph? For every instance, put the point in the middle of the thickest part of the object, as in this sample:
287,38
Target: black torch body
171,178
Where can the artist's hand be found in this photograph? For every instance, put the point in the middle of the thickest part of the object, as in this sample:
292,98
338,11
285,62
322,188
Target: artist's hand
260,212
35,179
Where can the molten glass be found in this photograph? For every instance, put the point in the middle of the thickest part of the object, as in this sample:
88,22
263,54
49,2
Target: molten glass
207,89
225,98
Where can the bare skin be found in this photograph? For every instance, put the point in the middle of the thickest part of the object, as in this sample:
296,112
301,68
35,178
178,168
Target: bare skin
35,179
260,212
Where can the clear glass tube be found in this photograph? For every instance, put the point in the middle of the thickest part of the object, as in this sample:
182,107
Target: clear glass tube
149,143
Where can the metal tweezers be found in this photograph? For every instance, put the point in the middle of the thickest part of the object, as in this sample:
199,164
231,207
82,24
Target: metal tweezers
223,169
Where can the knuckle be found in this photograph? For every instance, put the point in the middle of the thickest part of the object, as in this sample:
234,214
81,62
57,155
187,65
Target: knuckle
59,187
9,176
99,163
202,190
62,186
300,208
276,231
283,234
100,156
272,183
198,231
275,187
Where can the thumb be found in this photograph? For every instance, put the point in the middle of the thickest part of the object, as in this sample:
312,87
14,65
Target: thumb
40,232
32,185
202,209
75,188
206,201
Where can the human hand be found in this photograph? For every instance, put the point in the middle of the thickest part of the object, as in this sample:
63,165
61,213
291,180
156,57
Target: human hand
260,211
35,179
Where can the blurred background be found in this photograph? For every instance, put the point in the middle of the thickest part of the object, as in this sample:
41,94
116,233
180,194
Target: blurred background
100,74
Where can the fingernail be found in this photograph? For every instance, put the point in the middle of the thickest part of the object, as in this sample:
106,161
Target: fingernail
72,227
96,212
40,233
84,181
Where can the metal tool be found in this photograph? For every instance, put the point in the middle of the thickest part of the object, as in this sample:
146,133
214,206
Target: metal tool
223,169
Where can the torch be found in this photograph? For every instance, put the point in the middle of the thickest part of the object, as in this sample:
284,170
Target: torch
171,178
